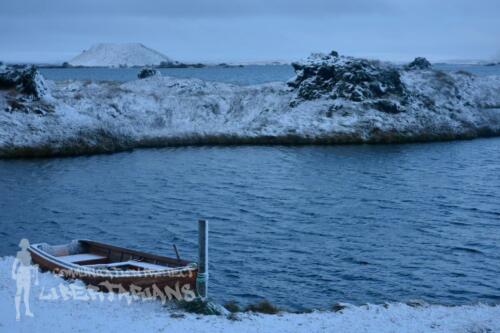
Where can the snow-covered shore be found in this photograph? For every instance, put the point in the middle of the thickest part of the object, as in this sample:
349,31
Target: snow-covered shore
332,100
77,314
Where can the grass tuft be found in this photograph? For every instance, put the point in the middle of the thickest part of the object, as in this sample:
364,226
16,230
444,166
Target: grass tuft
199,306
263,306
232,306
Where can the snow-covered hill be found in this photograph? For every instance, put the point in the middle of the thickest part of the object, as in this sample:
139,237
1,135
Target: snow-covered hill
115,55
332,100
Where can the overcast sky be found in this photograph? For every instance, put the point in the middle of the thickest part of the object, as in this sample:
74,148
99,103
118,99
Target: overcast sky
237,30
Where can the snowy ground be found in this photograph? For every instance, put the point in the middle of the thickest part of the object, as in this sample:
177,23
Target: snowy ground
82,117
79,315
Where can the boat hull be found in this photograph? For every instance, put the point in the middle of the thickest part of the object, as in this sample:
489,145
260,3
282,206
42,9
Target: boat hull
178,282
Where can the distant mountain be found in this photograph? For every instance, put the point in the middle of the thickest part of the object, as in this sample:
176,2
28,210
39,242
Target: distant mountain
118,55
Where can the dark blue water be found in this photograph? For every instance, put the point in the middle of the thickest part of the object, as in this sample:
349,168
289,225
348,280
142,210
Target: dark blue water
301,226
252,74
480,70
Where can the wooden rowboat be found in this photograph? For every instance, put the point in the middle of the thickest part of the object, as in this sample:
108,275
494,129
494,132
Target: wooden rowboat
103,265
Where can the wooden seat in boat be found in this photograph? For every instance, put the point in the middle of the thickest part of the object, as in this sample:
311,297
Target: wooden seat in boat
132,263
146,265
83,258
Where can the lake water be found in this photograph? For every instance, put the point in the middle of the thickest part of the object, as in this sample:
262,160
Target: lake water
300,226
253,74
238,75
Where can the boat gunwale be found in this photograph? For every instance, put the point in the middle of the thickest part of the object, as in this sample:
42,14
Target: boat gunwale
168,272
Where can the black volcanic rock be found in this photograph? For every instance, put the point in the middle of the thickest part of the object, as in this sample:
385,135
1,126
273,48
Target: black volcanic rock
28,87
26,80
334,53
148,72
419,63
333,76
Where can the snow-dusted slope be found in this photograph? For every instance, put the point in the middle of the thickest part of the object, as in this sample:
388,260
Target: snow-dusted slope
331,100
114,55
62,306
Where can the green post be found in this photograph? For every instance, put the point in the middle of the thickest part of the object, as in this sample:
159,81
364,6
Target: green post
202,278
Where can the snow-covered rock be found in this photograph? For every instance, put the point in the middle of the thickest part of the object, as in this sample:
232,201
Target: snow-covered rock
26,80
337,77
116,55
332,100
24,90
361,84
419,63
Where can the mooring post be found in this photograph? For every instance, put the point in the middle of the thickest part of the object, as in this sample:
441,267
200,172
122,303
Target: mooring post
202,278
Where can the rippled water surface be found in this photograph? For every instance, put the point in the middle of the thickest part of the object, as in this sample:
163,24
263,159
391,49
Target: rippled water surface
301,226
252,74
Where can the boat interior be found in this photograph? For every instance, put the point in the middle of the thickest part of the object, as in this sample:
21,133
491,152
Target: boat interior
109,257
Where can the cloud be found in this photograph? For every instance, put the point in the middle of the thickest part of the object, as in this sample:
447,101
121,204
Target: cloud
246,8
194,8
226,30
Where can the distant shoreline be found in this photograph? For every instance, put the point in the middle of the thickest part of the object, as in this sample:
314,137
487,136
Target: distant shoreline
331,100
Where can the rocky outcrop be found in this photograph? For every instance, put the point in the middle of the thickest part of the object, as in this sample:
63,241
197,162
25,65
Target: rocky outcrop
27,81
350,78
333,76
419,63
27,89
361,84
148,72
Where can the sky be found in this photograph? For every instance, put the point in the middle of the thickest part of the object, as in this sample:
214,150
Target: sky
256,30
